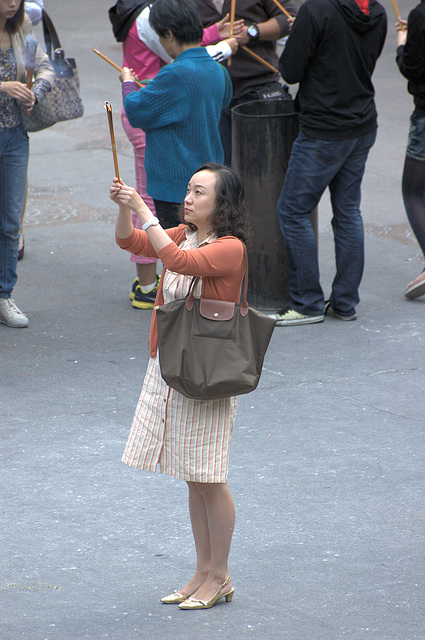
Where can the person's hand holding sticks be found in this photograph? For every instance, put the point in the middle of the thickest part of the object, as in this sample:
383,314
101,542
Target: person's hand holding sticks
126,196
18,91
401,27
129,200
401,22
127,75
224,27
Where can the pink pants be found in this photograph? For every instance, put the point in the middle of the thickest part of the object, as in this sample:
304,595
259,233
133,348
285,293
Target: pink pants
138,140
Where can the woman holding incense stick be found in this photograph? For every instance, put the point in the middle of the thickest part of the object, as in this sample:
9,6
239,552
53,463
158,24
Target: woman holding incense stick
179,109
190,439
14,147
411,62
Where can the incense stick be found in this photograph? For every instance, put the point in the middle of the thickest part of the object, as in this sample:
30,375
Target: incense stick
260,59
114,65
232,22
111,132
284,10
397,14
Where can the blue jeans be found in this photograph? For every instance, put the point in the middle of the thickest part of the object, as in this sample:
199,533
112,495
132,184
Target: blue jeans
313,166
14,150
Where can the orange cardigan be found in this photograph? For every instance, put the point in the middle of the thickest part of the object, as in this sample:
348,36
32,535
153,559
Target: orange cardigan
220,263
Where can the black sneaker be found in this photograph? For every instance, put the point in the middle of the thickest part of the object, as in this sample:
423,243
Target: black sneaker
145,300
331,312
133,288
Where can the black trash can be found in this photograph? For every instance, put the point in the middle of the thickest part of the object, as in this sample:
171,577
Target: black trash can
263,132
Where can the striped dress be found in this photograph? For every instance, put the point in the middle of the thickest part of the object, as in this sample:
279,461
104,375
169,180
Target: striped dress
188,439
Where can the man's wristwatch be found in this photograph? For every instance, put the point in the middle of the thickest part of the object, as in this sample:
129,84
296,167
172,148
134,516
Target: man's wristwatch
150,223
253,32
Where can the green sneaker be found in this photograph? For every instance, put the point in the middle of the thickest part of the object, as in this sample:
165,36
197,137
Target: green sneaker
145,300
289,317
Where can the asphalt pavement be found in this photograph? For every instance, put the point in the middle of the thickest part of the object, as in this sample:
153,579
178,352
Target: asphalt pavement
327,459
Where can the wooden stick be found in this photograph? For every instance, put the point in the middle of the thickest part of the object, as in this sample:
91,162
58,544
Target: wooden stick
277,3
260,59
115,65
397,14
111,132
30,73
232,22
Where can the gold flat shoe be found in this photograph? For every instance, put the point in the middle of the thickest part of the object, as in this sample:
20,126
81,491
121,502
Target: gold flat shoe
174,598
192,603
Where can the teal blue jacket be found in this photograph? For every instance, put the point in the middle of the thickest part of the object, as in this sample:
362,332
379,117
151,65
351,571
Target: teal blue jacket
179,110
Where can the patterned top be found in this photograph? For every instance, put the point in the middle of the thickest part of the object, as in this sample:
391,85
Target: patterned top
9,110
176,285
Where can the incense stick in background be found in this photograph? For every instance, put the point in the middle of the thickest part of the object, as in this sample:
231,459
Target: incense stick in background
111,132
232,22
114,65
397,13
30,50
284,10
260,59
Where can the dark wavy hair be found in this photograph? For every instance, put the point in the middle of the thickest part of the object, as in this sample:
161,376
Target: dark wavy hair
231,217
15,23
181,17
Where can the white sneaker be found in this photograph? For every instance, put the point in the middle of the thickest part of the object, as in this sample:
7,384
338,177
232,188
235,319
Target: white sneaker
288,317
416,288
10,314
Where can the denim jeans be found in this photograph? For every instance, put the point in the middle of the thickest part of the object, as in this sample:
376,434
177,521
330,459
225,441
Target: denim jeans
416,140
314,165
14,150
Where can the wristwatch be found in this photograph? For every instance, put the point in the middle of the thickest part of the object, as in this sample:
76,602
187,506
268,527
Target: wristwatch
150,223
253,32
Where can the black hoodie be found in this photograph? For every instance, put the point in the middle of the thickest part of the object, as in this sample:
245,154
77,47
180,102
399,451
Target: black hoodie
123,14
411,57
332,51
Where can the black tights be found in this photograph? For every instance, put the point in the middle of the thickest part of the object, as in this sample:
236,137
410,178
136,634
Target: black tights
413,187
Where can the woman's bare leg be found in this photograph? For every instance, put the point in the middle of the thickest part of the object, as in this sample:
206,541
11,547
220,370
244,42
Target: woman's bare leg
146,273
199,521
220,514
212,515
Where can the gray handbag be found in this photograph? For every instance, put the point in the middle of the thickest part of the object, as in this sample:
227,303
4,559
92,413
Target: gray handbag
63,102
210,348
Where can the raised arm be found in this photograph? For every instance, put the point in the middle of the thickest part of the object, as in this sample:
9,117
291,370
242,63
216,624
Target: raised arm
128,200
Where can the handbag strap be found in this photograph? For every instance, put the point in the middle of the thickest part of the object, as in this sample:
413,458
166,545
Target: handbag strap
64,67
51,37
244,308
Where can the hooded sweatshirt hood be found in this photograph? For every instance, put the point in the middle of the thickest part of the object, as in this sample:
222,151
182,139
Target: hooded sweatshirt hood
331,52
355,17
123,14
